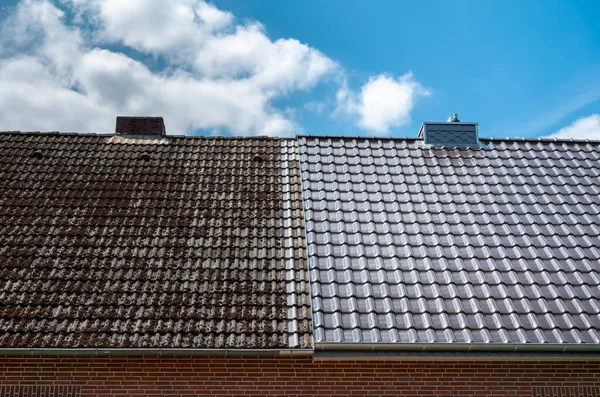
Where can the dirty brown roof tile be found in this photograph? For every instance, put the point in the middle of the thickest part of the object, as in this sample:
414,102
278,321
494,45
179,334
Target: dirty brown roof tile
182,242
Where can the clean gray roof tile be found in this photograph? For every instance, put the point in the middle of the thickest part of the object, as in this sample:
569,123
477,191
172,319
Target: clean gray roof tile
412,244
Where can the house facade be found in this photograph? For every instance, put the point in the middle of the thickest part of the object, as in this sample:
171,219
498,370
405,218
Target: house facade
141,263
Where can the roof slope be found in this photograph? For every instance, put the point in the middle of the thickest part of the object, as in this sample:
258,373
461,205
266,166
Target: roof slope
410,244
171,242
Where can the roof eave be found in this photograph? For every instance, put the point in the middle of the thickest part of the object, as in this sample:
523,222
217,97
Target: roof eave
153,352
461,347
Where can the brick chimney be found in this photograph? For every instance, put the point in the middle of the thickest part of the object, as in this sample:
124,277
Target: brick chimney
140,126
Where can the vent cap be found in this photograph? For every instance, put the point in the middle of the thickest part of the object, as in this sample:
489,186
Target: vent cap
140,126
450,134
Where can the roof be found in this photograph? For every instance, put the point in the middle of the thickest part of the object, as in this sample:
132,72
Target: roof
413,245
172,242
177,242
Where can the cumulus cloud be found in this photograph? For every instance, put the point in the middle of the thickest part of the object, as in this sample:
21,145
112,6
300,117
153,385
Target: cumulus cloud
33,98
218,75
186,60
382,103
583,128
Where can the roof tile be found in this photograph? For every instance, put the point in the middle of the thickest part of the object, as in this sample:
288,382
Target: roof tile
410,244
179,242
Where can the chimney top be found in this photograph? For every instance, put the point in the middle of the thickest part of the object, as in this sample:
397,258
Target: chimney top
127,125
450,134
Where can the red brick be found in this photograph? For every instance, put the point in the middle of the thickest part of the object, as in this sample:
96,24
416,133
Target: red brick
245,376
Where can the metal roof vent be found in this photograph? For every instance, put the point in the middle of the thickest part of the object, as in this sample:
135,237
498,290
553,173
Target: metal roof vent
453,133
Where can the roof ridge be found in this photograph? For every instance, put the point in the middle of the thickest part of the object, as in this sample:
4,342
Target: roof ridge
111,134
490,139
543,140
318,136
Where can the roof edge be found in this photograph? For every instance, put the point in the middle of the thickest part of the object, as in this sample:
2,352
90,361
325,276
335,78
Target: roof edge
461,347
325,136
112,134
34,351
320,136
486,139
342,355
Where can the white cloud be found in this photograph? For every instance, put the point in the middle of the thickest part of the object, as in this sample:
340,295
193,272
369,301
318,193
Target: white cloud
214,72
204,40
219,76
32,98
212,17
155,26
583,128
382,103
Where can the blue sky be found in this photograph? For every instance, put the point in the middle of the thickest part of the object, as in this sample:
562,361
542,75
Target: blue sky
285,67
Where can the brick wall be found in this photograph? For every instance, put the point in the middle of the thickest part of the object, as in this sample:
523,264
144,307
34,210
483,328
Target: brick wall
239,376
